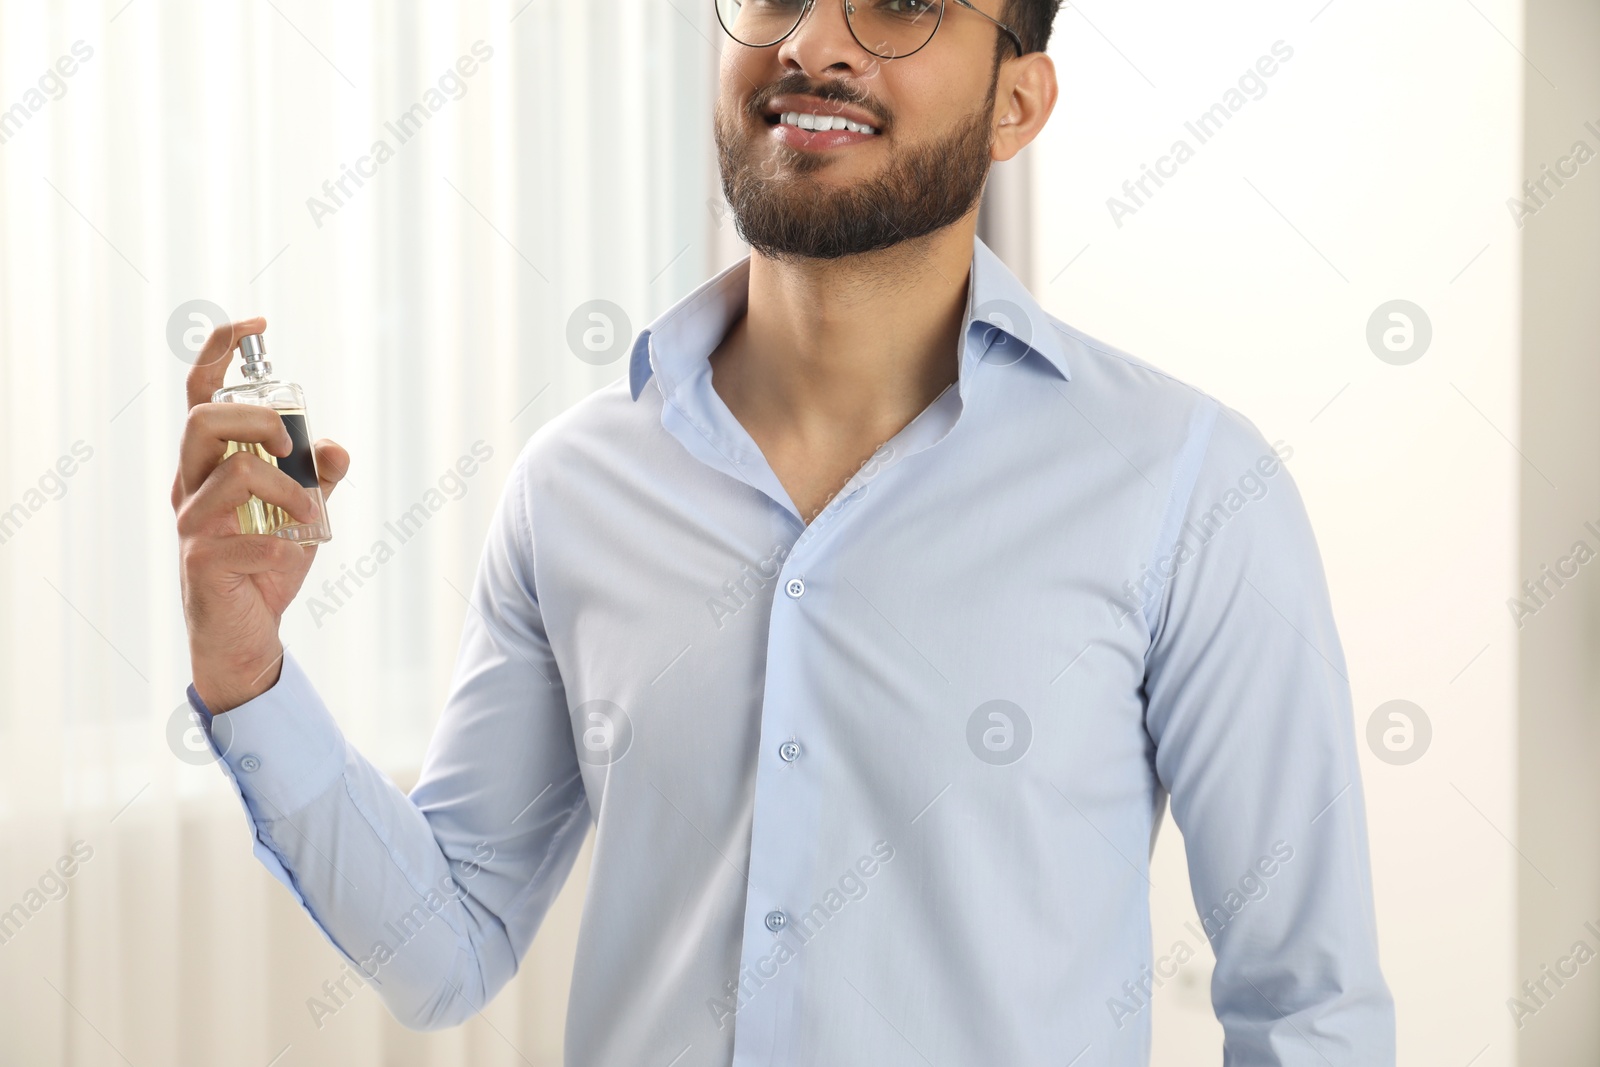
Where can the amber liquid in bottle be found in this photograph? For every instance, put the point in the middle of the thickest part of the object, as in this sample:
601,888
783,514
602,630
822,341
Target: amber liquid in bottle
256,516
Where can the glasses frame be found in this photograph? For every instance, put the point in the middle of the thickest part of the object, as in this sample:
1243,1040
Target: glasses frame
805,10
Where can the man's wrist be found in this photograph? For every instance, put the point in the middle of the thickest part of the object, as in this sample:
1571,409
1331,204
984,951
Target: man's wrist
223,687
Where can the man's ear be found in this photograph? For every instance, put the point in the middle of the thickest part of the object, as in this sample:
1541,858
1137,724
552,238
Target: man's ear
1024,98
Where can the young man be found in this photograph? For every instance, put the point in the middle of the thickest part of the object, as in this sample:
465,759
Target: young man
871,620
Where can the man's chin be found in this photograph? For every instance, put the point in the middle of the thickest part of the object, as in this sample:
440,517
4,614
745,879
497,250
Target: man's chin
772,156
829,203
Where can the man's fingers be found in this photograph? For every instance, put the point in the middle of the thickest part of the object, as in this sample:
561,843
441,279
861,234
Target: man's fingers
212,426
249,553
333,463
205,377
235,480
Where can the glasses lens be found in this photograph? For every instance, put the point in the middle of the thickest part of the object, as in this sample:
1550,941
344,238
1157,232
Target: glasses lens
758,23
892,28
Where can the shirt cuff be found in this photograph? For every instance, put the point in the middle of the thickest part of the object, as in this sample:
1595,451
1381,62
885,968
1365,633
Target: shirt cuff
282,748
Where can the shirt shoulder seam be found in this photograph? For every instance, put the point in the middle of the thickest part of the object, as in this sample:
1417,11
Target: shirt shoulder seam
1185,477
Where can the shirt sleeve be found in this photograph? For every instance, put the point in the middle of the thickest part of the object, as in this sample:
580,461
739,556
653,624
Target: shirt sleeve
435,896
1248,703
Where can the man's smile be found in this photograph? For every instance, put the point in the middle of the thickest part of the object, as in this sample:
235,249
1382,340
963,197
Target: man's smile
804,121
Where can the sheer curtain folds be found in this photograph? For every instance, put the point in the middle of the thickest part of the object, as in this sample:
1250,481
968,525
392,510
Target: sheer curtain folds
426,202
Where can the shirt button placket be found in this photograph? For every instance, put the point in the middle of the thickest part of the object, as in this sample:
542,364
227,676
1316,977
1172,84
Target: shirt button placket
783,841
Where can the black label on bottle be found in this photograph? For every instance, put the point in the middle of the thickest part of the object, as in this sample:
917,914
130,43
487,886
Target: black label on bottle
299,464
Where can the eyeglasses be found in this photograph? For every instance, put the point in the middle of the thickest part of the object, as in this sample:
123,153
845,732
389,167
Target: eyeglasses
889,29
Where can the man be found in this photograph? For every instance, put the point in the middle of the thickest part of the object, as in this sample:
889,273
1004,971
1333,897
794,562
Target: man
871,620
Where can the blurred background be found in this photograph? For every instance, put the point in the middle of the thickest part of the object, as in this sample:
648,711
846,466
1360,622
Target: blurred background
1385,252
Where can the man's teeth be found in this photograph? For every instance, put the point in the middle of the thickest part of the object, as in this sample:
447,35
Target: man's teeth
823,122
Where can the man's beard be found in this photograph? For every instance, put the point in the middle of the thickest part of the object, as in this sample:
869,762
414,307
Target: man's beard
925,188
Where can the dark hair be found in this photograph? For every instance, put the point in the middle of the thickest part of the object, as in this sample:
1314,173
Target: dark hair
1031,19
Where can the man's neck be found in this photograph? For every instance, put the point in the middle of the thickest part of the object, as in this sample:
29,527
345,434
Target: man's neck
853,347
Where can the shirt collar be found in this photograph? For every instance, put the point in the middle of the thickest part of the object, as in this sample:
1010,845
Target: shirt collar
1001,315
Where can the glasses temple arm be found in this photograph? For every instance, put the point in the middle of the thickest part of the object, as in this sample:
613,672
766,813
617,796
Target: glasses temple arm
1009,32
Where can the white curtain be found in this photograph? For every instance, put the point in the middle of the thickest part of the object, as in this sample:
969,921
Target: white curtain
424,310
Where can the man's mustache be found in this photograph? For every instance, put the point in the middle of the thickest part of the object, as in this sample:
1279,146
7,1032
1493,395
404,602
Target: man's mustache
797,83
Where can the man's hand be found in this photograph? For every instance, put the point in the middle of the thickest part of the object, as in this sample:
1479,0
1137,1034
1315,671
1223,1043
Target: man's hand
237,586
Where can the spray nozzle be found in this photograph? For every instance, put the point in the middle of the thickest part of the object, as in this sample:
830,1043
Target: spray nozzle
253,347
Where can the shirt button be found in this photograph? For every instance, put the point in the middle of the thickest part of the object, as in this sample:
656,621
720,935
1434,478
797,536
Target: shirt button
790,751
795,587
249,763
776,920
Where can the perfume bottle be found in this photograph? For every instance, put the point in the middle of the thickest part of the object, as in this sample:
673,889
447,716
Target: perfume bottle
256,516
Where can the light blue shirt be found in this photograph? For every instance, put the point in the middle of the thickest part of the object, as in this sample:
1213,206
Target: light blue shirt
880,789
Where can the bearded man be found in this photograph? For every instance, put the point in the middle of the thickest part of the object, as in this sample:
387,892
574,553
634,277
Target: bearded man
871,620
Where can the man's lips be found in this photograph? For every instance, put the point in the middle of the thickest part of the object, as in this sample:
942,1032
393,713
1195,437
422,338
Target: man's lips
791,115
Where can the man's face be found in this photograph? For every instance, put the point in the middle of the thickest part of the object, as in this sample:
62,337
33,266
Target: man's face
806,193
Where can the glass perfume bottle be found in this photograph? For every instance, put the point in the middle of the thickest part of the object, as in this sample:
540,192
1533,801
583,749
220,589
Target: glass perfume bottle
256,516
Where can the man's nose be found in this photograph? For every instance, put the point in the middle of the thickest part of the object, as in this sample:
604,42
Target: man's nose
823,42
